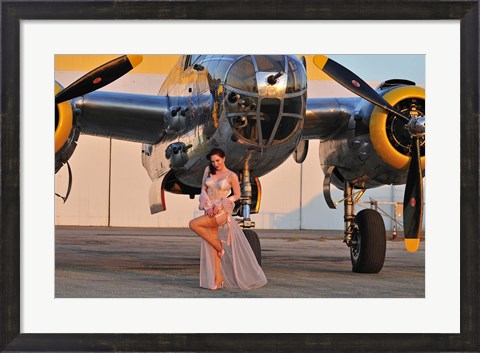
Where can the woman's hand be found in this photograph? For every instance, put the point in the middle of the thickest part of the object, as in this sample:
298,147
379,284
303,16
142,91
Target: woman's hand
215,210
212,212
209,212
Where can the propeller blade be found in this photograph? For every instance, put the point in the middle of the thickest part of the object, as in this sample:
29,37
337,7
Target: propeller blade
413,200
353,83
99,77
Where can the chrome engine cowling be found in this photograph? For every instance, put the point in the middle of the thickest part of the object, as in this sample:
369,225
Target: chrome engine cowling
387,132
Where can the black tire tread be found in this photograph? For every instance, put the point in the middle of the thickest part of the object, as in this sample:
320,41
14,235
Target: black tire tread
254,242
373,242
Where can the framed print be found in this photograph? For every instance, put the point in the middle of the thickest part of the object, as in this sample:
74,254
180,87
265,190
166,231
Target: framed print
51,331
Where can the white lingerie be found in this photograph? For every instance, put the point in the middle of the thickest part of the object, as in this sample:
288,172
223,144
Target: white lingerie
239,265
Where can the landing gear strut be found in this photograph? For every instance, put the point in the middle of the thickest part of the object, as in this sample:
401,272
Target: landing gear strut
246,198
246,222
364,235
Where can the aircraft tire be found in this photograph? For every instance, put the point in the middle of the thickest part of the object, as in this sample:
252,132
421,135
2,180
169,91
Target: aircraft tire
369,242
254,242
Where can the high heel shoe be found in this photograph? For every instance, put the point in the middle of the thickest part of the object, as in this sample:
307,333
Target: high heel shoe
218,286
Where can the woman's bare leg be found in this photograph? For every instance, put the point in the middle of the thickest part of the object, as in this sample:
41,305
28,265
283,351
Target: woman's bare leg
203,226
207,228
218,271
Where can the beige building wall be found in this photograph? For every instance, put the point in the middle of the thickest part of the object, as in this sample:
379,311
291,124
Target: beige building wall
110,185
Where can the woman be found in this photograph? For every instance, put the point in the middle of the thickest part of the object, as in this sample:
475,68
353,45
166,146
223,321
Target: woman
228,262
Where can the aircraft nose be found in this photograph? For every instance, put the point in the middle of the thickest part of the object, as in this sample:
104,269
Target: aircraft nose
265,98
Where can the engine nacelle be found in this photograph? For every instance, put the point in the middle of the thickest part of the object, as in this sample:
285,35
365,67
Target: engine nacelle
66,132
374,149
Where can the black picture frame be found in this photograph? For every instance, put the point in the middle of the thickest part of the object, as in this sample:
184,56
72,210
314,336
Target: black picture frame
13,12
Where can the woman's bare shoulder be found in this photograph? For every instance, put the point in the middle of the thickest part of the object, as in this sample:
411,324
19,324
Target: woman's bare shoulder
232,175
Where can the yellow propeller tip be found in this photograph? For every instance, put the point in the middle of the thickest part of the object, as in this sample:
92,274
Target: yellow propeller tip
412,244
320,61
58,87
135,59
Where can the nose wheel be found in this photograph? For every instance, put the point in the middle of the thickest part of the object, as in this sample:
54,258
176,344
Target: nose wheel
365,236
254,241
369,243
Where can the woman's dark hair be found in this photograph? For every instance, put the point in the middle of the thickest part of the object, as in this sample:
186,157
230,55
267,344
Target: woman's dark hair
214,152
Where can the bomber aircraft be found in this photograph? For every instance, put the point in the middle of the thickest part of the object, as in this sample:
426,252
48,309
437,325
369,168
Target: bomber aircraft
256,108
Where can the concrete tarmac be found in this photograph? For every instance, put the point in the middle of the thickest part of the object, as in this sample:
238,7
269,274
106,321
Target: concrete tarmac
106,262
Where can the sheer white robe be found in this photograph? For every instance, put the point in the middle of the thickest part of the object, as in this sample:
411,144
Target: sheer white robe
239,266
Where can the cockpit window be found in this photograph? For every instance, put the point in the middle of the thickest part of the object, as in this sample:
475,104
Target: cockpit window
297,80
242,75
210,66
245,126
293,105
274,63
269,110
197,58
287,125
221,69
188,62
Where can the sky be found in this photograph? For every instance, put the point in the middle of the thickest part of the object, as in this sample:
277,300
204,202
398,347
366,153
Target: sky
376,68
381,67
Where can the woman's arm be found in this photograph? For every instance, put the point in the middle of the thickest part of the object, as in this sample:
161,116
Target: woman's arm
204,179
235,187
204,201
